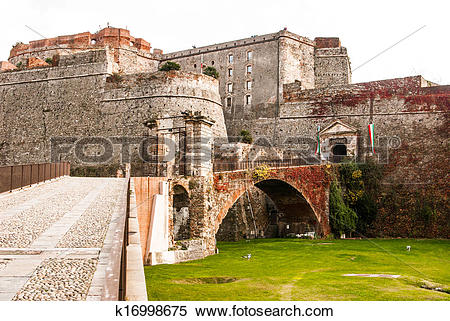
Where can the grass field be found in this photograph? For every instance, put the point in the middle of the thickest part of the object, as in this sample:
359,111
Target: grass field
291,269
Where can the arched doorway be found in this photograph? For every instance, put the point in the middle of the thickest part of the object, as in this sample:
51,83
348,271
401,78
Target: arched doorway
272,208
181,220
339,152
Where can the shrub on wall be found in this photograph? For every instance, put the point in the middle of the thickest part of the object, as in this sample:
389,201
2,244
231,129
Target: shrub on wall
246,136
261,172
211,71
342,218
360,190
170,65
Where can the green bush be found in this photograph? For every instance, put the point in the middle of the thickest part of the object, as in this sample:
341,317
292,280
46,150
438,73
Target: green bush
246,136
170,65
49,61
342,218
116,77
211,71
360,189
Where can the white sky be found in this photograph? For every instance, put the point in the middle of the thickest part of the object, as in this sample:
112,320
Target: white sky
364,27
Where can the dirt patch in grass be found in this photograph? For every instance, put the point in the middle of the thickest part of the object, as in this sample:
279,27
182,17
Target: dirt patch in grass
208,280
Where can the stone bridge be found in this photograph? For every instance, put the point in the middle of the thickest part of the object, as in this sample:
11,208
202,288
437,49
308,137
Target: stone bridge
77,238
300,192
69,239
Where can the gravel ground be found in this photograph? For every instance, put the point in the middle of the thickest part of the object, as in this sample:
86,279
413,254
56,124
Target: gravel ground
91,227
10,200
59,280
23,228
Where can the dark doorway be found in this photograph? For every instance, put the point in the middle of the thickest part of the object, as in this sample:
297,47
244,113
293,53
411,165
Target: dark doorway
339,153
181,221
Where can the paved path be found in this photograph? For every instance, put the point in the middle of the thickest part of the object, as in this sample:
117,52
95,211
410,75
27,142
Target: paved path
55,238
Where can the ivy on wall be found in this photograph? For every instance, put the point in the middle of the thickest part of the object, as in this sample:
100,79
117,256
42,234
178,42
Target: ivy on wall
354,197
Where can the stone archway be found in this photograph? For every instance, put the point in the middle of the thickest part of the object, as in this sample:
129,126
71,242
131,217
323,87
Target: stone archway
294,214
181,218
212,196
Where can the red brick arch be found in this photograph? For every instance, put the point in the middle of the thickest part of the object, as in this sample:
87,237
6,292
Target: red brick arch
312,182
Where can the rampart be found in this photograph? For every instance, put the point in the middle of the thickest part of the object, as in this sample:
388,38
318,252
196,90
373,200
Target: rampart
130,53
84,97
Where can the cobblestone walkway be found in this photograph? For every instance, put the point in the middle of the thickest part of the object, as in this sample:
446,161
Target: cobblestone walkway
52,235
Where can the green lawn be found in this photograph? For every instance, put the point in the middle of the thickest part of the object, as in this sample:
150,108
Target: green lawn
291,269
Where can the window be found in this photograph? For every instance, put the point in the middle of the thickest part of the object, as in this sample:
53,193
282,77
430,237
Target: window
249,69
230,87
228,101
248,85
195,65
230,58
230,72
248,99
339,152
212,63
249,55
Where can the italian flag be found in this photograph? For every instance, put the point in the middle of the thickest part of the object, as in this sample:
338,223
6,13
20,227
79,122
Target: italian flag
318,140
372,138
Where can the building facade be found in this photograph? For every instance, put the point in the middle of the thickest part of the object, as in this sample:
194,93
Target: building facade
252,71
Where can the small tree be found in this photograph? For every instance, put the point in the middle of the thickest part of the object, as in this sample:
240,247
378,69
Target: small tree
170,65
211,71
246,137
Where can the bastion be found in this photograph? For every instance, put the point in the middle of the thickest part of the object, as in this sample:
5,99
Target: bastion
80,95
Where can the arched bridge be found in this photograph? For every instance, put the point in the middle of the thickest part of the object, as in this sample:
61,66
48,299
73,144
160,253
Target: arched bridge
300,192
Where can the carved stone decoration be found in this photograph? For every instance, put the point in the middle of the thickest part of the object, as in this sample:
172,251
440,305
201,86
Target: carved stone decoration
338,141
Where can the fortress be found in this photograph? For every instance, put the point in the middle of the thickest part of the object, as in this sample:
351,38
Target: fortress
285,89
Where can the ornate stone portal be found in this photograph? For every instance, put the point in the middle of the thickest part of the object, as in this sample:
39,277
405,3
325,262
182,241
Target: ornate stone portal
338,141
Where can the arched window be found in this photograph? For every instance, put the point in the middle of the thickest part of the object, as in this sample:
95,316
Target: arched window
339,152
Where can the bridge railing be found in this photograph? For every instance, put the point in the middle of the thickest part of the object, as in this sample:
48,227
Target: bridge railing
224,166
17,176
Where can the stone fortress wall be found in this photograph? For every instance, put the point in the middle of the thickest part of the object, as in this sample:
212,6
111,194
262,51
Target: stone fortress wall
94,92
275,59
107,84
132,54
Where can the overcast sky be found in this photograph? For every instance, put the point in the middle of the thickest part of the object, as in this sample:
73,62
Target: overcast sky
364,27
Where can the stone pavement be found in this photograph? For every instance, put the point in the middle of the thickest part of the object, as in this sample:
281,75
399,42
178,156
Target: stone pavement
54,239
